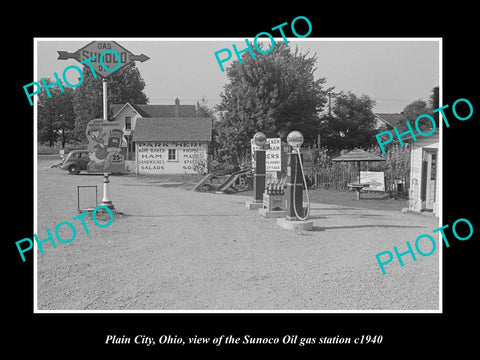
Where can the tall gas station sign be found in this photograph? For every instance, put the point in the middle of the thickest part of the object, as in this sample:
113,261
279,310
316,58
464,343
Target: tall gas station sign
104,58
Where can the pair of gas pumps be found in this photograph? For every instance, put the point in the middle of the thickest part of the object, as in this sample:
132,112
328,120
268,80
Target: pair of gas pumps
295,216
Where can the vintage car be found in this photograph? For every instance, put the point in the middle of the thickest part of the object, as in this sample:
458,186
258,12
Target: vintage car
76,161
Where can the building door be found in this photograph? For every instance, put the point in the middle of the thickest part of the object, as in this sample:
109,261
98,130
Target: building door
423,182
429,178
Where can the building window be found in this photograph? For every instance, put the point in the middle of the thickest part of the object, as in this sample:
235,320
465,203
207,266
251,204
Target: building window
128,123
172,154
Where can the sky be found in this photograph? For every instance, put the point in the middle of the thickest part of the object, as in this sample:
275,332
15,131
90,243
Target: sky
392,71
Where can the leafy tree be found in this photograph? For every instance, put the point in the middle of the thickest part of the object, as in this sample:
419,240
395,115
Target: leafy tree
420,107
434,102
56,117
350,124
87,102
415,109
203,111
274,93
125,85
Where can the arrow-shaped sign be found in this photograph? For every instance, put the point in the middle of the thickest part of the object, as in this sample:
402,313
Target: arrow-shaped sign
65,55
140,58
103,54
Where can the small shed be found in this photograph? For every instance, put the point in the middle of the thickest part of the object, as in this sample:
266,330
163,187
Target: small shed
358,156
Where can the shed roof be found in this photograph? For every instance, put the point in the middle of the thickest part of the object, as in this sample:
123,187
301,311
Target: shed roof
173,129
393,120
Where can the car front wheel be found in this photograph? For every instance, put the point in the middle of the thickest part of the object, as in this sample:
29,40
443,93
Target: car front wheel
74,169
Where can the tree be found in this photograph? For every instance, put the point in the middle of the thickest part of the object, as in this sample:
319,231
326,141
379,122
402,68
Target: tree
420,107
203,111
415,109
274,93
434,102
351,123
125,85
56,116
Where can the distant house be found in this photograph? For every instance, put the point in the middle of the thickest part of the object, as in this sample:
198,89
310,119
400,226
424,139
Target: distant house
390,120
171,145
127,114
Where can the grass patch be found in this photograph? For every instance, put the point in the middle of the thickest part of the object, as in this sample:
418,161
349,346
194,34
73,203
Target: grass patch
55,150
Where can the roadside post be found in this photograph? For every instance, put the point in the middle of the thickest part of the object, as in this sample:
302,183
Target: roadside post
106,181
259,172
297,217
104,58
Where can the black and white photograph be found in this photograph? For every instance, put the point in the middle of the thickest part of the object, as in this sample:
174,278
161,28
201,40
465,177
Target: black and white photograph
213,208
232,180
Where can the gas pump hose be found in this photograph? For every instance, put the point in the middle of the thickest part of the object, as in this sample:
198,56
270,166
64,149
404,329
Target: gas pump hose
295,188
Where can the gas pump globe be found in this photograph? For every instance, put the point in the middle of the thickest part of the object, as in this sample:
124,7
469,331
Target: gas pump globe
259,139
295,140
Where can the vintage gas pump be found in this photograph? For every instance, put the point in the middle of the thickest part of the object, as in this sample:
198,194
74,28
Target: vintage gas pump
297,217
259,139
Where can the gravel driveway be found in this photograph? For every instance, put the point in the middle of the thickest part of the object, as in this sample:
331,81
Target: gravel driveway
174,249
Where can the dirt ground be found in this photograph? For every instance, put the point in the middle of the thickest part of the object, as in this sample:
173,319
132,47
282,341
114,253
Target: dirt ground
170,248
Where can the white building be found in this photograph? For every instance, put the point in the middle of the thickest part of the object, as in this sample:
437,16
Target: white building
424,193
172,145
424,179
